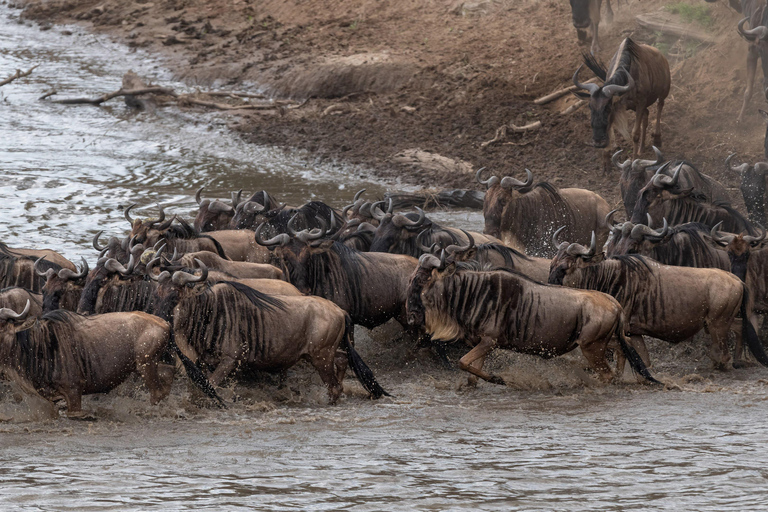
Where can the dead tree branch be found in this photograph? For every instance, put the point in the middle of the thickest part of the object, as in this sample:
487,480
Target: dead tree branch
116,94
19,74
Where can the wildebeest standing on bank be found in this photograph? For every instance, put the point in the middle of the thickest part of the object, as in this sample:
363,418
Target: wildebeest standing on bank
586,14
752,187
65,354
228,324
636,78
505,308
757,36
524,216
669,303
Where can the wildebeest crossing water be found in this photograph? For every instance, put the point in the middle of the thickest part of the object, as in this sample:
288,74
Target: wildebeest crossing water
548,440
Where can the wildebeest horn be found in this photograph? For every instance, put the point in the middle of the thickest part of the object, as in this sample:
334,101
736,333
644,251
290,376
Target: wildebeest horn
642,164
236,198
661,180
587,87
755,240
9,314
739,168
612,90
376,211
579,250
554,237
182,278
197,195
609,218
641,231
717,237
420,243
489,182
390,206
402,221
281,239
151,266
159,224
96,241
357,196
65,273
128,215
461,248
615,160
251,207
218,207
47,274
508,182
112,265
345,210
758,33
430,261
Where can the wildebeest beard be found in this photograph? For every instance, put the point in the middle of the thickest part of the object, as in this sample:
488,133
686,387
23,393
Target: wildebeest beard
414,306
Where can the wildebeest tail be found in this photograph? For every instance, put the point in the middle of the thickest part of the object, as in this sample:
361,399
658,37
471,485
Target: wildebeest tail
635,361
194,373
748,331
362,372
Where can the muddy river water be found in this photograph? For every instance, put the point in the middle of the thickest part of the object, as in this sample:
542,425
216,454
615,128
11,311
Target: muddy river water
550,440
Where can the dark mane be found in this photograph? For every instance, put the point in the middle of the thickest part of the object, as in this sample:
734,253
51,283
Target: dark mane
38,349
337,275
260,300
690,250
550,211
624,67
623,281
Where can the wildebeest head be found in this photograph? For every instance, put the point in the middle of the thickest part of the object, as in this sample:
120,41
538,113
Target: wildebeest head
360,209
422,276
580,13
738,248
571,256
397,233
660,188
10,321
171,288
637,239
148,231
62,290
602,105
634,176
752,187
501,192
213,214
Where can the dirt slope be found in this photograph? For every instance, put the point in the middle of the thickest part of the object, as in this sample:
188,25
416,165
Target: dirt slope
386,76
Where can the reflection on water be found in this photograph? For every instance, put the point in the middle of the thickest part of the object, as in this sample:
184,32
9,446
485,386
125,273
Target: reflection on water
546,442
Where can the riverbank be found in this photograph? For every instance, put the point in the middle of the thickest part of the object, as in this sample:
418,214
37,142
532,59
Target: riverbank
389,77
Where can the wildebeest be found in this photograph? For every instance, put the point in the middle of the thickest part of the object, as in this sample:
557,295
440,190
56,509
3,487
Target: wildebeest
62,289
214,214
662,197
524,216
180,236
685,245
15,298
111,287
403,234
506,309
635,174
65,354
636,78
240,269
757,36
752,187
17,266
586,14
228,324
669,303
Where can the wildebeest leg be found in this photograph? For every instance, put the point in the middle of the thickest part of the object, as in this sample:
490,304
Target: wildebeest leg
595,48
752,57
657,132
638,343
74,398
593,345
483,348
327,366
581,34
644,129
636,147
609,11
150,376
718,349
224,368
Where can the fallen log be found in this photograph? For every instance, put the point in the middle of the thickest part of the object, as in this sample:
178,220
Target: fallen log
116,94
19,74
573,108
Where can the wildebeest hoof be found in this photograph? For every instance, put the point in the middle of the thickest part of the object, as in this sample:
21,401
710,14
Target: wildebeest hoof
581,34
497,380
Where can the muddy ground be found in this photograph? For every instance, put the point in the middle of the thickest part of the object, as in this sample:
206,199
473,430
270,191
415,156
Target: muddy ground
388,76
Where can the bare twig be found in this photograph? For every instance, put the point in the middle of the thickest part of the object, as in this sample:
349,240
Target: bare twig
527,128
559,94
234,94
184,98
19,74
501,134
48,94
111,95
573,108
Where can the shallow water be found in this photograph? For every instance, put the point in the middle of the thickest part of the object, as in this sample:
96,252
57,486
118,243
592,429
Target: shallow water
551,440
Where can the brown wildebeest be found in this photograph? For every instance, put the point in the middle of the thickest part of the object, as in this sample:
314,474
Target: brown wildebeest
508,310
65,354
214,214
239,269
181,236
15,298
586,14
229,324
669,303
524,216
636,78
62,289
756,13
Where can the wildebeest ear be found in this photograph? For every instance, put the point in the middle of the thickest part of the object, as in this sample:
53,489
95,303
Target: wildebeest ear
763,113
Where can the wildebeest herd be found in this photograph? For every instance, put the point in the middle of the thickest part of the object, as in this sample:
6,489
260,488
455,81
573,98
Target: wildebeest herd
253,283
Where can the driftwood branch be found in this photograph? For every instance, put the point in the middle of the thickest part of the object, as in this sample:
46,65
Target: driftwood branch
501,132
116,94
527,128
560,93
18,74
573,108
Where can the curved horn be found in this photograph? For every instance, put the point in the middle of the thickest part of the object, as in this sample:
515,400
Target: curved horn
660,179
402,221
236,198
131,265
281,239
461,248
717,237
114,266
420,243
615,160
755,240
758,33
251,207
592,88
96,241
508,182
609,218
182,278
489,182
390,206
128,215
161,218
65,273
612,90
641,165
345,210
151,267
9,314
739,168
357,196
554,237
641,231
218,207
376,211
197,195
47,274
429,261
593,244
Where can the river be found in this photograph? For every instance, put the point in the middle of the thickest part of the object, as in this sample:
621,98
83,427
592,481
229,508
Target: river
552,439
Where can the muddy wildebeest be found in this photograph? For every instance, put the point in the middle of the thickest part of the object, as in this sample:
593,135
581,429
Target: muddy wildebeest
586,14
669,303
524,216
15,298
214,214
635,174
229,324
65,354
636,78
662,197
62,289
756,13
506,309
181,236
17,267
685,245
752,187
403,234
